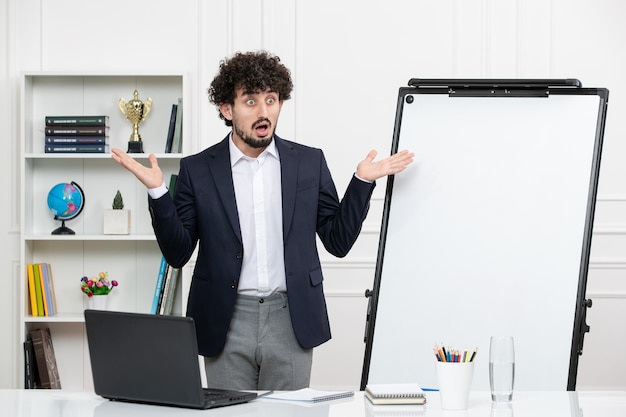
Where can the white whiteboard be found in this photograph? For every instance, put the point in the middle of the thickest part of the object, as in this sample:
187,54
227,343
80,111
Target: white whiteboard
486,232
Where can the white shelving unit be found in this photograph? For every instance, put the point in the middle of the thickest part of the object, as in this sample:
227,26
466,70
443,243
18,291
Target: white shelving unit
133,259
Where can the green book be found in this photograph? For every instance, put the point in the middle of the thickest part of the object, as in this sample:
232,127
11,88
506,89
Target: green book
38,290
172,186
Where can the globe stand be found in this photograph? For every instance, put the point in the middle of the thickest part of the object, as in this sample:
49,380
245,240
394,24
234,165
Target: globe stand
63,230
69,200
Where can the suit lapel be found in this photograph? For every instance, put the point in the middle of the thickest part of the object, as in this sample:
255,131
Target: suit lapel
223,177
289,180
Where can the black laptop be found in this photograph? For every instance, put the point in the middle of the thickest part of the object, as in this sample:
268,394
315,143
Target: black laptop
151,359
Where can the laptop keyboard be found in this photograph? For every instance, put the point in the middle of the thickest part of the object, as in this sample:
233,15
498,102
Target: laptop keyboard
211,395
214,394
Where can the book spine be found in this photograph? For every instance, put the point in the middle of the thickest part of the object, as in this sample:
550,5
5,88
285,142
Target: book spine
82,140
172,187
170,130
44,295
178,128
40,357
167,282
172,291
77,120
32,292
31,377
38,291
158,287
76,148
76,131
54,298
48,287
51,362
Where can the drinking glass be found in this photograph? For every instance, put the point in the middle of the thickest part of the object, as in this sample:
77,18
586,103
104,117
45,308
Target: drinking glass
501,368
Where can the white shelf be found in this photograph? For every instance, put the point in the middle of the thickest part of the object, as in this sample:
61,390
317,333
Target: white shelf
132,259
58,318
95,237
160,156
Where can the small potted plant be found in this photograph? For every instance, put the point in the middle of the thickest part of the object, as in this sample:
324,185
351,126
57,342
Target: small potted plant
96,289
117,219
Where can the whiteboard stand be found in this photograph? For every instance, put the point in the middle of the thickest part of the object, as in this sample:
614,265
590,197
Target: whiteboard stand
488,231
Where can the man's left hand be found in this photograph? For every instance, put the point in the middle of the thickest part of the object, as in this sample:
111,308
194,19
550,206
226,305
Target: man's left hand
371,171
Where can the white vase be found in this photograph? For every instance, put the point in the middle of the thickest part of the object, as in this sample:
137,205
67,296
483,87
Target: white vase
97,302
116,222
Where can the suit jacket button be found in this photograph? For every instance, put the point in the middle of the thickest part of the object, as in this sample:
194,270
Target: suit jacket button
233,284
239,255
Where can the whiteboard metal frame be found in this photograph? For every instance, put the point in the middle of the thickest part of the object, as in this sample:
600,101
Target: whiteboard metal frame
495,88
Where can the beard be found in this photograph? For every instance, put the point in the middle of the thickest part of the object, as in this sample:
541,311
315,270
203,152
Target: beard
251,141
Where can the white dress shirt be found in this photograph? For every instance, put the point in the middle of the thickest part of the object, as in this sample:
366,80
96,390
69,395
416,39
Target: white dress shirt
259,205
258,196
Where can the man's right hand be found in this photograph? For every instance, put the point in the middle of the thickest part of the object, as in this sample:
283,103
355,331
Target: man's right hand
151,177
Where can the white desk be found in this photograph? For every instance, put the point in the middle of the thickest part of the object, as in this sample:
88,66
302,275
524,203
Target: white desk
55,403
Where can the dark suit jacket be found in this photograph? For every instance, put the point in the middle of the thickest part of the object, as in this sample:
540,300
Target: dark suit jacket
204,210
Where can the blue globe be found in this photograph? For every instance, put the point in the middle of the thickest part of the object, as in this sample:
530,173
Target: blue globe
66,201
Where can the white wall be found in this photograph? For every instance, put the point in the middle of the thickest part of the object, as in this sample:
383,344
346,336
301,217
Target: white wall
348,60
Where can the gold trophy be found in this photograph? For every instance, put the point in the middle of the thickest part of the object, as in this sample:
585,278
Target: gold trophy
135,111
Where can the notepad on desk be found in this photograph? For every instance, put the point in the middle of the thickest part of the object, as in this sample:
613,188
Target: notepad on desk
394,410
406,393
309,395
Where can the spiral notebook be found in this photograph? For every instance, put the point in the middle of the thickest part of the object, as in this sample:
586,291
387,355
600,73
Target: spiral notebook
309,395
407,393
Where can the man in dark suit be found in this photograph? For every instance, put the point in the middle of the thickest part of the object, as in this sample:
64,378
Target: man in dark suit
254,203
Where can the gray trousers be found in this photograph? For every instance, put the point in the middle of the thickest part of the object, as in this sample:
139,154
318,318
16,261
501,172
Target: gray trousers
261,351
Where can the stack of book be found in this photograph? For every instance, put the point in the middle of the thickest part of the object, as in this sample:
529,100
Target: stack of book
77,134
41,369
168,279
41,290
167,286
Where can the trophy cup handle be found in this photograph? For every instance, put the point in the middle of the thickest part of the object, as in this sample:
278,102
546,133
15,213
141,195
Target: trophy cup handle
147,106
122,105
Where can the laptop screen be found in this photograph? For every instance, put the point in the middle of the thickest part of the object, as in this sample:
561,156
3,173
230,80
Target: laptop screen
145,358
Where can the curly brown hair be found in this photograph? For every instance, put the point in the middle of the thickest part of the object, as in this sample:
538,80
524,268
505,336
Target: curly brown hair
255,72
